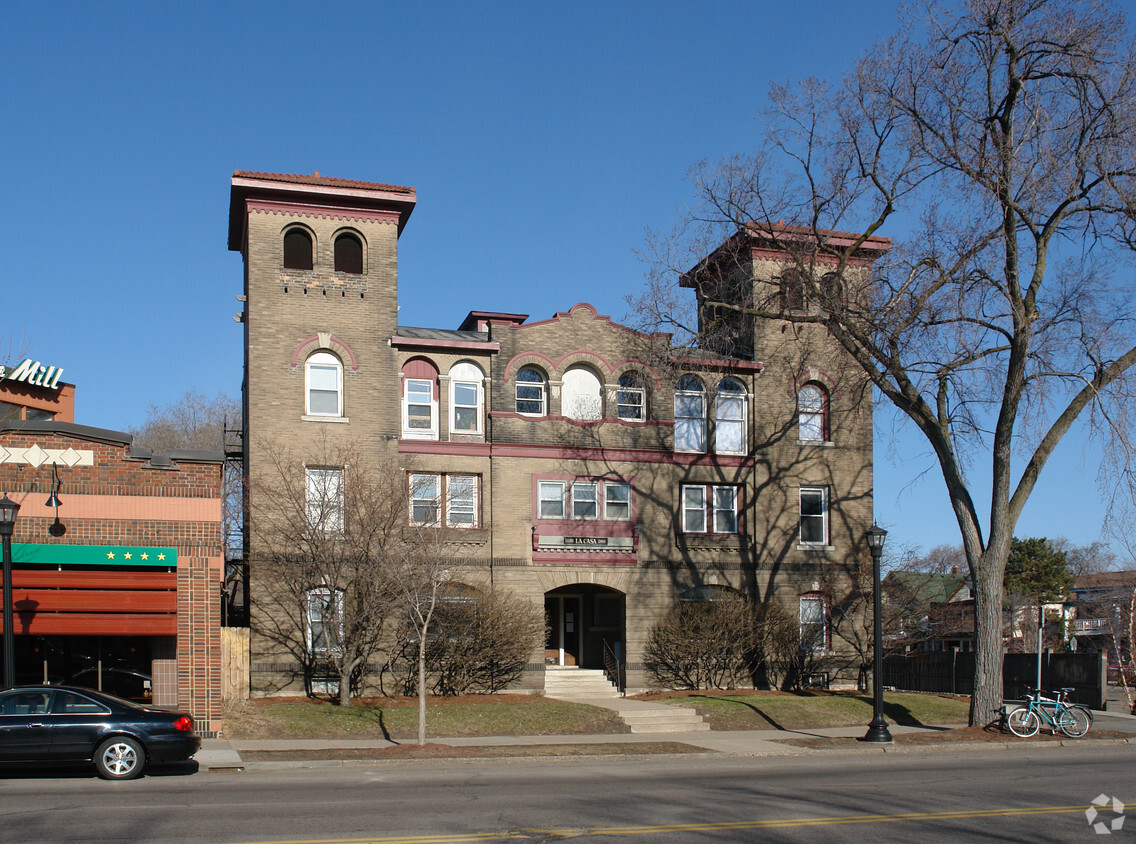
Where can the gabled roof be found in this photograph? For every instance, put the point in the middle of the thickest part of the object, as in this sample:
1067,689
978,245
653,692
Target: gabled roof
926,587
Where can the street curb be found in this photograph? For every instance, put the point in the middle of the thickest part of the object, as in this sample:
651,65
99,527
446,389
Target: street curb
789,751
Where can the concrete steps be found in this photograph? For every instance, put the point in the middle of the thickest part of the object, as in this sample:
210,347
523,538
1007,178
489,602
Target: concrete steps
582,685
578,683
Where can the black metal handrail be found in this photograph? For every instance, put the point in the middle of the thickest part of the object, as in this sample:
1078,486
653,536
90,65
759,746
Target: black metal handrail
613,668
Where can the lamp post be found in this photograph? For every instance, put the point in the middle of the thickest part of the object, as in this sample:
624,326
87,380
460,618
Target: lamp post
878,729
8,511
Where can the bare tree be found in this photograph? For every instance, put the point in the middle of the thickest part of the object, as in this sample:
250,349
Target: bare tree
998,138
198,422
335,527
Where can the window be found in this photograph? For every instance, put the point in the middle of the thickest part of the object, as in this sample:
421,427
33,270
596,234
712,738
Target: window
418,414
35,414
551,494
585,504
297,250
832,291
690,415
465,399
348,254
583,499
461,502
324,376
792,290
729,418
581,396
425,495
631,398
814,515
324,498
617,501
814,626
531,392
324,633
709,508
812,414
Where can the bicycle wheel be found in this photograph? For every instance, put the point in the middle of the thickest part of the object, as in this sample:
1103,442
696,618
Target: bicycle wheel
1023,722
1074,722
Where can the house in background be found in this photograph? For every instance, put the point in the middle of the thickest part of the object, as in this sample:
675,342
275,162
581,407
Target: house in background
928,612
1099,616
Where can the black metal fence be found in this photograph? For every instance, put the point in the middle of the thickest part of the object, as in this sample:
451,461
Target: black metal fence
953,673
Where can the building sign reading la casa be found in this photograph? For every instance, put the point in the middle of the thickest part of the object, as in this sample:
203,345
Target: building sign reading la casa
33,372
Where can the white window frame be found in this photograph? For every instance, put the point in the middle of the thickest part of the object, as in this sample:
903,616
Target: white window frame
461,501
811,418
561,488
323,362
695,507
724,398
416,386
808,628
320,599
814,493
425,491
466,376
580,497
540,386
610,504
631,398
721,509
688,426
323,498
710,509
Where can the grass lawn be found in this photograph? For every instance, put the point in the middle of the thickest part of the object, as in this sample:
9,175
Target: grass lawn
489,715
786,711
523,715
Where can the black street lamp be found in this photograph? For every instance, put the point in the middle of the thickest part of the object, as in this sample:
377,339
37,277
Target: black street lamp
878,729
8,512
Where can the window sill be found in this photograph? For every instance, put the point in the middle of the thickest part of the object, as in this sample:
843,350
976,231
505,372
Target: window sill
336,419
814,546
816,443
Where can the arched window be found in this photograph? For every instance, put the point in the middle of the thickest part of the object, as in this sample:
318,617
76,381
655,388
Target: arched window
323,374
832,290
812,413
631,397
730,418
297,249
581,395
690,415
792,290
814,622
348,254
419,400
465,398
532,392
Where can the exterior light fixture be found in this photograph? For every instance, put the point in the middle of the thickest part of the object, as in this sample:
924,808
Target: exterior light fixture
8,511
878,729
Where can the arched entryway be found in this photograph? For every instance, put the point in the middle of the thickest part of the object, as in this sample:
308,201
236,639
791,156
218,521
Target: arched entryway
583,619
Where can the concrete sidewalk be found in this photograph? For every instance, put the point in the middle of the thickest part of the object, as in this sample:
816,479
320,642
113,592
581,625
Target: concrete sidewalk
222,754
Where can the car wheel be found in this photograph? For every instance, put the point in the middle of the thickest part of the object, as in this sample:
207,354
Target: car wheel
120,758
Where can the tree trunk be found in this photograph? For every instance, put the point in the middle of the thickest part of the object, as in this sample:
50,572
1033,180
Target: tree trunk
986,702
422,686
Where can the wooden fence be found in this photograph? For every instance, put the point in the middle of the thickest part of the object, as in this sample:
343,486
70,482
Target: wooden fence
953,673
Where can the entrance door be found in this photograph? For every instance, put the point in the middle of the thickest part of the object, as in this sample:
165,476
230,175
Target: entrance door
565,630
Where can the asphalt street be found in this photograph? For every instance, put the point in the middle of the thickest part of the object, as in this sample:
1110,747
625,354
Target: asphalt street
1037,794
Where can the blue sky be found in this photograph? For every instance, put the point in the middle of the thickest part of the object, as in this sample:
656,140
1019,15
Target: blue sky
543,139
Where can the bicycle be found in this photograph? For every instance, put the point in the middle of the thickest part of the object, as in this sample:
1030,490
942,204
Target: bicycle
1073,720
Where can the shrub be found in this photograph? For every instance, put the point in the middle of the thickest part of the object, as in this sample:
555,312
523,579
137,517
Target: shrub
704,645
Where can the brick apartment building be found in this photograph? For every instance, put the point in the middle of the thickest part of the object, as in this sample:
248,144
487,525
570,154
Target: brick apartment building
600,479
119,586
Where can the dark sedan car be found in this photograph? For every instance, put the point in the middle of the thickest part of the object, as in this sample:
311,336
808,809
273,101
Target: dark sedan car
63,724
